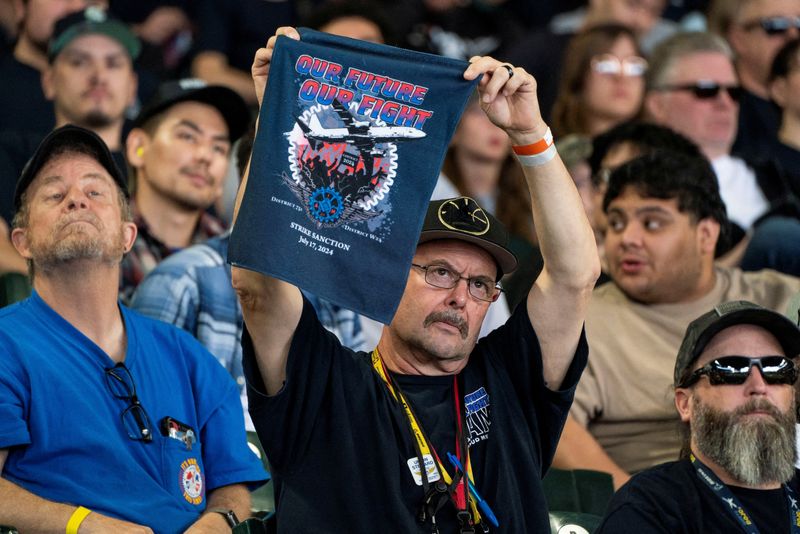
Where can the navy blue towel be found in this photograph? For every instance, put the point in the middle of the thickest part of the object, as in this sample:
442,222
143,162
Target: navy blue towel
350,142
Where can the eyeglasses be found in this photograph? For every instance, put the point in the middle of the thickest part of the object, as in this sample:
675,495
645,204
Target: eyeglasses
633,66
773,26
480,287
705,90
134,418
736,369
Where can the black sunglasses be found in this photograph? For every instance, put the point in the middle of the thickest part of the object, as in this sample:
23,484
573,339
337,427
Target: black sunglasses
134,418
774,25
705,90
736,369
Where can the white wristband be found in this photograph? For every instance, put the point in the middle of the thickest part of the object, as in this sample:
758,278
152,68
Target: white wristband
538,159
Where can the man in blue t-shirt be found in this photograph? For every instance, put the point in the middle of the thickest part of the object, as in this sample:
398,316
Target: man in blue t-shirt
349,453
109,421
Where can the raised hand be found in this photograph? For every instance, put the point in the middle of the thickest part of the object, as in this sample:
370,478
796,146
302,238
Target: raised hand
508,96
263,57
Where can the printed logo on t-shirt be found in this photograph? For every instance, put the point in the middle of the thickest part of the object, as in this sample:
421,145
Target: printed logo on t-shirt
477,407
191,481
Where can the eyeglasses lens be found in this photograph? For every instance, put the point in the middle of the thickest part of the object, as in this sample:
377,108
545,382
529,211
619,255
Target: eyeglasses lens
630,66
779,25
711,91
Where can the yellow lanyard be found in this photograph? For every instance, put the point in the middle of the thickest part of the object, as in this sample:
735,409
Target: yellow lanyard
422,442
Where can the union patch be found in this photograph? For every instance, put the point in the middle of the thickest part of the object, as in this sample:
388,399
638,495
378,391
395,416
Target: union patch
191,481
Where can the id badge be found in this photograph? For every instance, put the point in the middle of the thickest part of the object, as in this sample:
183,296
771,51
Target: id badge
430,469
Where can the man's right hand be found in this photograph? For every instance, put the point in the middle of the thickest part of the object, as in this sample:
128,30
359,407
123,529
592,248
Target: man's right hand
263,57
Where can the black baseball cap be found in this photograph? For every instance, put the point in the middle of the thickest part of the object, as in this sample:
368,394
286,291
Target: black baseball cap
93,19
462,218
725,315
231,106
64,138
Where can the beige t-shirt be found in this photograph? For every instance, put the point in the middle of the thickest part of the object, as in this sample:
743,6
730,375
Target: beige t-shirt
625,394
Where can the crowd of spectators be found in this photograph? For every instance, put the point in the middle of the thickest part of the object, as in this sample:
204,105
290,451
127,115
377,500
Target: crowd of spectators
679,122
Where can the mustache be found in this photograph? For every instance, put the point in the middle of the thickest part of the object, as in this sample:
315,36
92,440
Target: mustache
199,171
73,217
450,317
759,405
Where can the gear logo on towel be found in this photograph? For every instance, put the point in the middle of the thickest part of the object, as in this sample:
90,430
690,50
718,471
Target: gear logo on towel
341,165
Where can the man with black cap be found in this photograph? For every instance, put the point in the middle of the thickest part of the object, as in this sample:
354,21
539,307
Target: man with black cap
178,153
734,390
359,442
90,79
109,421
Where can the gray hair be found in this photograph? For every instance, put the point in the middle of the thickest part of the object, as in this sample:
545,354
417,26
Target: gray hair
666,54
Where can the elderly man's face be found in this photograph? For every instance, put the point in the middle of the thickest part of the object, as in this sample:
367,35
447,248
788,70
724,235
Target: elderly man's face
747,429
91,82
710,122
74,214
442,325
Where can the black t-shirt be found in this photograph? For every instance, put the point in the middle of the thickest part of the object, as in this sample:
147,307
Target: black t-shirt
670,498
23,107
759,121
339,444
238,28
789,160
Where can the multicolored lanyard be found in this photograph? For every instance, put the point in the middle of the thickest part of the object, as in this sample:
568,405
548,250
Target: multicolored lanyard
423,447
733,505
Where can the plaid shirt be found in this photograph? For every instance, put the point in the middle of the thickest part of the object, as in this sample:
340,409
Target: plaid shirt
148,251
192,290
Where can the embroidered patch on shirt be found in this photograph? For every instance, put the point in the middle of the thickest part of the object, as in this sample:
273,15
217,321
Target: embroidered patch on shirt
191,481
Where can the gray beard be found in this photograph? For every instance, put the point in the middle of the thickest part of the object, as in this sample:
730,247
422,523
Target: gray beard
50,257
753,452
66,252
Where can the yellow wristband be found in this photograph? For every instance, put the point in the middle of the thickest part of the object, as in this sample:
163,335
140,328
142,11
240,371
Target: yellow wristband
76,519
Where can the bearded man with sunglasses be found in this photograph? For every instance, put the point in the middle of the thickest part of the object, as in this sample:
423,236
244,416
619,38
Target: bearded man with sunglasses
734,390
665,217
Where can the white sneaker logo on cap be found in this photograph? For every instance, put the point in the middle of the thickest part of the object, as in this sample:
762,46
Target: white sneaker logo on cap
95,14
192,83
